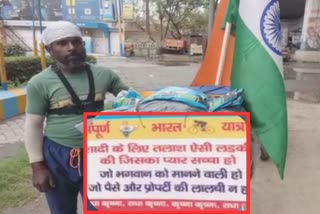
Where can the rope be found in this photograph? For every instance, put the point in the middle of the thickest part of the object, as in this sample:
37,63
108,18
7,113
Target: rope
75,153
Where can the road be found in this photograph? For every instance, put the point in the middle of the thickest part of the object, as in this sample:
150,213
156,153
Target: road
299,192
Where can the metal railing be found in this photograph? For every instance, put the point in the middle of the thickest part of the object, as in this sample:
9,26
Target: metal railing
14,36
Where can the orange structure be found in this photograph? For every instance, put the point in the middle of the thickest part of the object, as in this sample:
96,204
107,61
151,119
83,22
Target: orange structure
208,69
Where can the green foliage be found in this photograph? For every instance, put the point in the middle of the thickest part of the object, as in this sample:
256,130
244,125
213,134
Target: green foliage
21,68
14,50
196,22
182,16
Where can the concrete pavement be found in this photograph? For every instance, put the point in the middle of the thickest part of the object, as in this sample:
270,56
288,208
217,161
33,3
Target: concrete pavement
11,136
299,192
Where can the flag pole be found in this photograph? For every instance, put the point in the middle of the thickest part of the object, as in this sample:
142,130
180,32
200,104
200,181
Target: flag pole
223,54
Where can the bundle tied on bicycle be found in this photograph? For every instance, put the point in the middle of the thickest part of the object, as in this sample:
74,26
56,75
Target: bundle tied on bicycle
185,99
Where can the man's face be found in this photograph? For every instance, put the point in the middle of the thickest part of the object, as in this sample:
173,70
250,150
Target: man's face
70,52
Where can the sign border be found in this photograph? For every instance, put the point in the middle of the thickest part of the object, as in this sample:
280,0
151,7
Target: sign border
248,128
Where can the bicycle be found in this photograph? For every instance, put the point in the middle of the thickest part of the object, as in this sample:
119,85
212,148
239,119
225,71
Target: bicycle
200,126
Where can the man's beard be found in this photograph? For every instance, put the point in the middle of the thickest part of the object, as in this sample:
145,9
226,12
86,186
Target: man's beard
74,60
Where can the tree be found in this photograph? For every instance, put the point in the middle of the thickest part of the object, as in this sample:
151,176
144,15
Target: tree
172,17
142,14
161,15
179,15
148,16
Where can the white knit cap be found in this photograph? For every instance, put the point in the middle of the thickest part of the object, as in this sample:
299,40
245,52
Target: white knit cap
59,30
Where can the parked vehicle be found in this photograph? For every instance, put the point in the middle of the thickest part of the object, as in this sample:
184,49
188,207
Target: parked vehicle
175,46
197,44
192,44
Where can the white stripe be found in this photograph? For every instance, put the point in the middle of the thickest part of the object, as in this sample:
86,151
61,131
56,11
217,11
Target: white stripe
251,13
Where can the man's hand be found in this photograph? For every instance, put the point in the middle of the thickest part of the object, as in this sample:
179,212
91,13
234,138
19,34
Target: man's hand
41,177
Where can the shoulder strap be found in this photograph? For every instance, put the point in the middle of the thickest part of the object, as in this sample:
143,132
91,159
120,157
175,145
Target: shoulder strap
75,98
92,91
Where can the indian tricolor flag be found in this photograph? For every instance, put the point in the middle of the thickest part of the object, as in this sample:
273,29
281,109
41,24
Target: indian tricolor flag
258,69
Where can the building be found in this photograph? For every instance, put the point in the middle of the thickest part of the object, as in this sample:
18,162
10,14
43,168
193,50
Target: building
301,27
98,20
24,20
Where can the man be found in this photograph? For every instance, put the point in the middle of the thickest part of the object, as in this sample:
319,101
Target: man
60,94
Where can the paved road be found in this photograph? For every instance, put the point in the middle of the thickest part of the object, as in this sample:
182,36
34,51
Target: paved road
298,193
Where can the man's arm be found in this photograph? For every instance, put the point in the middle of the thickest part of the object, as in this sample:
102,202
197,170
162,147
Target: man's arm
36,109
34,137
117,84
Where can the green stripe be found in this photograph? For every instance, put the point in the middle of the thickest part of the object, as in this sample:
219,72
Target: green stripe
231,14
255,71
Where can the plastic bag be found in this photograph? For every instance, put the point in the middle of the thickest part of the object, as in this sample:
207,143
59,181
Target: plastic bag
190,97
231,99
126,99
166,106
